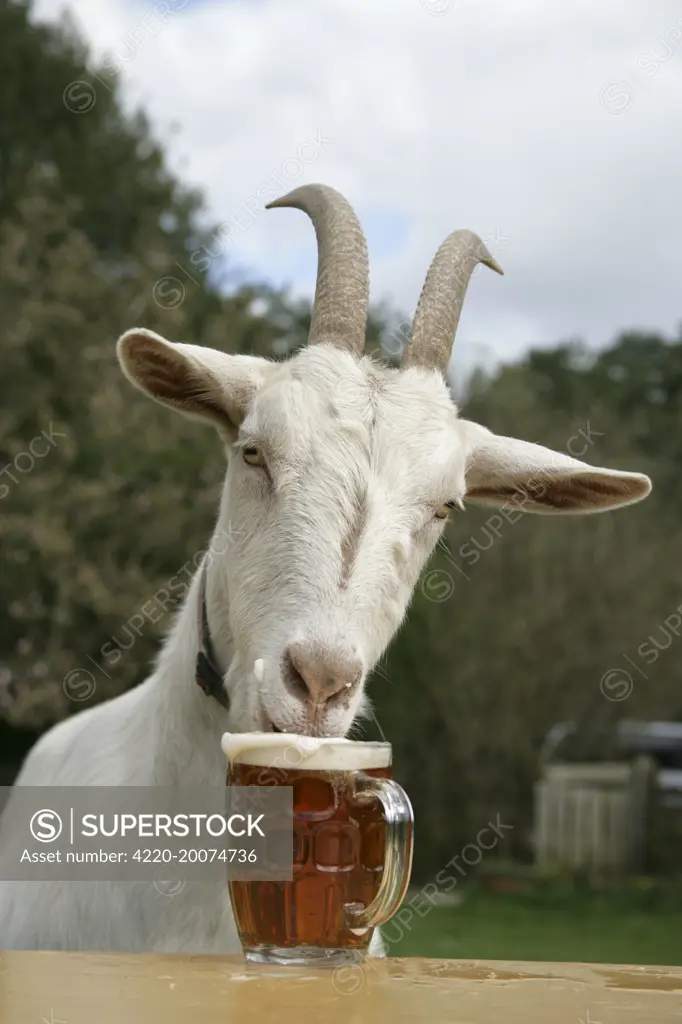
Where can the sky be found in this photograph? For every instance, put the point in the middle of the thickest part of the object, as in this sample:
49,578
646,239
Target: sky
552,130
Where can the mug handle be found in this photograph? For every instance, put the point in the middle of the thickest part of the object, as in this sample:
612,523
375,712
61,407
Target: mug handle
398,852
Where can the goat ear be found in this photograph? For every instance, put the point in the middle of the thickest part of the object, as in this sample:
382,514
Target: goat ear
530,478
199,382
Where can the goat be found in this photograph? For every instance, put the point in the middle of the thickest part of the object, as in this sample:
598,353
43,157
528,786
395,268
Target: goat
341,474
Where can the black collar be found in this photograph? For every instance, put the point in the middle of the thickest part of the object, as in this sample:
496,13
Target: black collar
207,674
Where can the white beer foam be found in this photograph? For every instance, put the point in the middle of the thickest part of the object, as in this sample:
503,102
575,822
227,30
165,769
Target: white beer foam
289,750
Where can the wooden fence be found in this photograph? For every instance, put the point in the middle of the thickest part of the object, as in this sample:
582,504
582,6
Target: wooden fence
592,817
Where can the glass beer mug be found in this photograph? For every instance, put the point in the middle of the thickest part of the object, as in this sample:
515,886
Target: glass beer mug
352,847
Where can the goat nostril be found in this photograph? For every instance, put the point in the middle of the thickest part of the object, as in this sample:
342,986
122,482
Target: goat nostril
320,678
294,677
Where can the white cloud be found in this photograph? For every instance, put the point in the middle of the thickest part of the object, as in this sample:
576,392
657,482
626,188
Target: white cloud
498,116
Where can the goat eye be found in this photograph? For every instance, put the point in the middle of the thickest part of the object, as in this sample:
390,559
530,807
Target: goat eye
253,456
444,511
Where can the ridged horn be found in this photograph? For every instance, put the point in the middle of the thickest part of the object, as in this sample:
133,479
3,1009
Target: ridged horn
342,291
440,303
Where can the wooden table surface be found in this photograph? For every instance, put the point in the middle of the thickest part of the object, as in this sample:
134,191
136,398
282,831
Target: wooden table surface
75,988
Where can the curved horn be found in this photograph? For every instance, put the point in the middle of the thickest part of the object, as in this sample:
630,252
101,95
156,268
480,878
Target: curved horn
342,290
440,303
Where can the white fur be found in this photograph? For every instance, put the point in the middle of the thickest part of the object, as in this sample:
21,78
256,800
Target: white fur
353,450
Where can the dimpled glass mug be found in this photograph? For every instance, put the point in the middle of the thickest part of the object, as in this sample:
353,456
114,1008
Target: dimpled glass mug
352,843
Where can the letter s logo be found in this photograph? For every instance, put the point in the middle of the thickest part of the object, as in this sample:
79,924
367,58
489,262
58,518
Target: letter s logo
46,826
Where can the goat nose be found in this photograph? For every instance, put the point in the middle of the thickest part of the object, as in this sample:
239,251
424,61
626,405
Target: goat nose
323,673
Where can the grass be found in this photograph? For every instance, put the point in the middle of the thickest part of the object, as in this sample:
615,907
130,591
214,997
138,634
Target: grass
549,923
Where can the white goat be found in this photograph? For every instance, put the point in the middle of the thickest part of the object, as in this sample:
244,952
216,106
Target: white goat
341,474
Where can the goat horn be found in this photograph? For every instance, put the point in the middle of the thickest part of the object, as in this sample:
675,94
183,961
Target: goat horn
342,291
440,303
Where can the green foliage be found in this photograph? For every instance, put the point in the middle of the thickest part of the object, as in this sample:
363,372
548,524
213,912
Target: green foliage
107,159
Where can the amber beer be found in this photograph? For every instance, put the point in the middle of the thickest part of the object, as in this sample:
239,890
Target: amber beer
352,847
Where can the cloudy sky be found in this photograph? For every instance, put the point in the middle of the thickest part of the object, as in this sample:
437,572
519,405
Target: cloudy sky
553,130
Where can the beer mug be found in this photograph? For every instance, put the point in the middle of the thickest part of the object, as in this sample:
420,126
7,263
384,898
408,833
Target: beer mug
352,848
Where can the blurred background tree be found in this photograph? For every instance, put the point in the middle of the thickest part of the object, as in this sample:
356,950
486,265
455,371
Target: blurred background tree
514,624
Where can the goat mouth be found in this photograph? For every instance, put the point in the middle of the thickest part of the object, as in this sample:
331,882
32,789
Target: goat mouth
315,729
269,726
